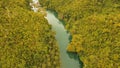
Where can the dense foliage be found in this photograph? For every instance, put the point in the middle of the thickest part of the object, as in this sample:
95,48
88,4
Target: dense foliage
95,29
26,39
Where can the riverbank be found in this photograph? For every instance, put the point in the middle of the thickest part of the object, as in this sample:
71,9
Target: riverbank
94,26
68,60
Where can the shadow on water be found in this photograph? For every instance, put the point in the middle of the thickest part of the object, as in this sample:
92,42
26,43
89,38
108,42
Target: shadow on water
75,56
70,37
63,22
54,12
56,15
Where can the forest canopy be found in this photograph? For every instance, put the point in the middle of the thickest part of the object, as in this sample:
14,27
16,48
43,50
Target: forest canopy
26,39
95,29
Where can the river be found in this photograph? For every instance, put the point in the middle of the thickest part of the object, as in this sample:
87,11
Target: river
68,60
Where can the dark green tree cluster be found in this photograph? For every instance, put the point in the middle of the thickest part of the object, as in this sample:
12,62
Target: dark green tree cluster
26,39
95,29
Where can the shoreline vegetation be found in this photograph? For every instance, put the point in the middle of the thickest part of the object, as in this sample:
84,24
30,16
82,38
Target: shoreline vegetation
95,29
26,38
36,7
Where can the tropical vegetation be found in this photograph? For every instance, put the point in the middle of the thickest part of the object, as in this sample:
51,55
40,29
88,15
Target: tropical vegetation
95,29
26,39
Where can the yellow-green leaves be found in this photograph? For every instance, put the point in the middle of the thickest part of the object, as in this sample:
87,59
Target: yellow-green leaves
95,29
26,39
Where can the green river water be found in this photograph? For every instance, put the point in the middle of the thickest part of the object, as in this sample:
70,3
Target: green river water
68,60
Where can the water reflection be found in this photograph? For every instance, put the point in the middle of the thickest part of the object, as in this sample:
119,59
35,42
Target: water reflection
75,56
